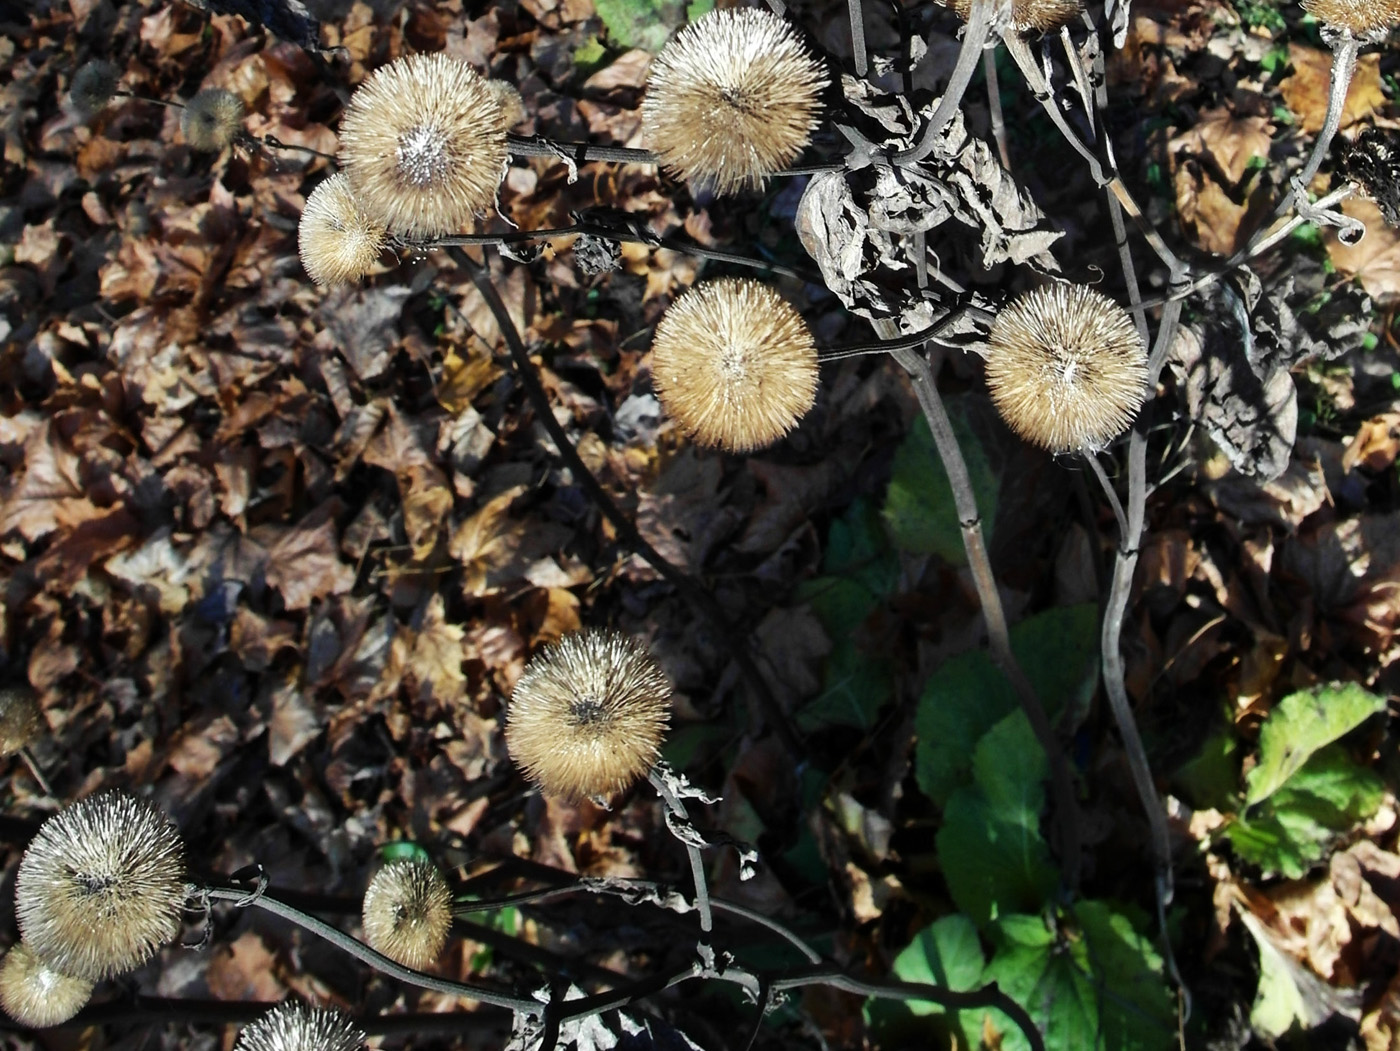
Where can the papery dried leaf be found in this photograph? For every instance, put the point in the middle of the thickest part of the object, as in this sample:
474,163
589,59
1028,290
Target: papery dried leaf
287,19
303,561
295,723
51,494
436,654
1305,92
362,325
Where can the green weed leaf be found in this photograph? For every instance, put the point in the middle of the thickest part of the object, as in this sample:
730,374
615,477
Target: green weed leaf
1301,724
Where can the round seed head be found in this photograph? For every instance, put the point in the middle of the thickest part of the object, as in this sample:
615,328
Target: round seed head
339,244
1367,20
423,143
212,119
734,364
101,886
20,719
34,994
1032,16
93,87
407,913
292,1026
1066,368
588,715
512,105
734,97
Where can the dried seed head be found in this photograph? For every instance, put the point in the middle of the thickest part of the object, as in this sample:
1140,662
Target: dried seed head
339,244
423,143
292,1026
407,913
1373,161
1031,16
101,886
1367,20
21,721
1066,368
734,364
512,105
588,715
36,995
734,97
93,87
212,119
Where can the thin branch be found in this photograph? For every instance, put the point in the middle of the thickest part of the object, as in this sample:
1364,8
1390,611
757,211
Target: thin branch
858,36
989,74
674,804
576,152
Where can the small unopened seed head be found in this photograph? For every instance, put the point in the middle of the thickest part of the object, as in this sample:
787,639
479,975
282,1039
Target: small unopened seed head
212,119
293,1026
1367,20
732,99
1066,368
339,244
734,364
408,912
101,886
512,105
93,86
423,143
34,994
1031,16
21,721
588,715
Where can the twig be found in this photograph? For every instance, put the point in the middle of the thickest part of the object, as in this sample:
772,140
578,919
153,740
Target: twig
989,74
576,152
857,36
674,804
975,34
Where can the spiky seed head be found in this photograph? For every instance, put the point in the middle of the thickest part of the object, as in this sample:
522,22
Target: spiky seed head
293,1026
339,244
1065,367
734,364
408,911
34,994
1031,16
512,105
101,886
21,721
588,715
93,86
733,98
212,120
1367,20
423,143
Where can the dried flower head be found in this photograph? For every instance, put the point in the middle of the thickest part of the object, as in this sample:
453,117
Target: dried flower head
34,994
21,721
423,142
1066,368
588,715
408,911
339,244
1367,20
1373,162
1031,16
734,97
101,886
512,105
212,119
734,364
93,86
292,1026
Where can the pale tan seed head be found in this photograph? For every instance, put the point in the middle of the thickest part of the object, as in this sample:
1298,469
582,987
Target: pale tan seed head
734,364
101,886
733,98
1367,20
588,715
36,995
423,143
1065,367
93,86
408,912
339,244
212,120
1032,16
293,1026
21,721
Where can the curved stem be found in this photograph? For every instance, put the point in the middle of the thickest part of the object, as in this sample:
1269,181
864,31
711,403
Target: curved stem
674,804
1344,51
975,34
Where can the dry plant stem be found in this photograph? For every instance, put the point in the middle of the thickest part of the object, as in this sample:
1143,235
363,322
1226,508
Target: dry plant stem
674,804
858,54
989,74
998,636
578,152
975,33
1344,52
361,951
36,771
627,531
1108,489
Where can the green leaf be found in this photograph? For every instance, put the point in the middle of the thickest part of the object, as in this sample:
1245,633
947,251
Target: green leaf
919,504
1212,778
1301,724
1295,826
403,850
990,847
968,694
946,953
589,55
641,23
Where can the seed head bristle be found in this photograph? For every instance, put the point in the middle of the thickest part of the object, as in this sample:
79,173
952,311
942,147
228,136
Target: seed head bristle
34,994
734,364
212,120
732,99
339,244
588,715
408,912
93,86
21,721
1368,20
101,886
1066,368
1031,16
293,1026
423,143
